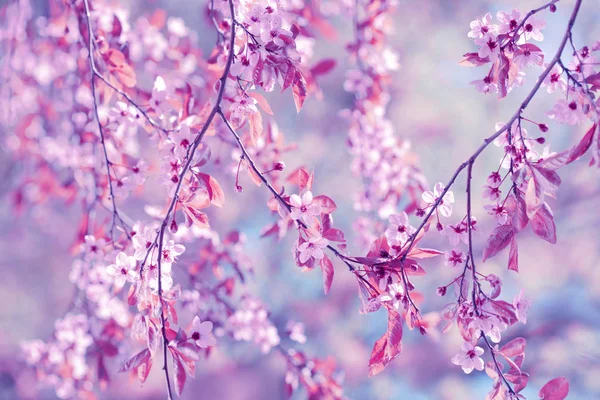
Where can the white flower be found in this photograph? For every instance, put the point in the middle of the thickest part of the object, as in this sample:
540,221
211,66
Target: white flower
469,358
302,208
124,270
313,248
201,333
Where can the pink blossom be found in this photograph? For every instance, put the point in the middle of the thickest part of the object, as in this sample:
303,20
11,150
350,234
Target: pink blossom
313,248
485,85
533,29
454,258
201,333
554,81
182,139
93,248
123,270
481,27
394,295
498,211
456,233
521,304
567,112
295,331
525,58
508,21
490,326
488,47
493,193
160,94
303,208
399,228
469,359
430,197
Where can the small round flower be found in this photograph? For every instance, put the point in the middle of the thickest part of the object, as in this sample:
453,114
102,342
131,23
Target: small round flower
303,208
313,248
123,270
202,333
430,197
469,359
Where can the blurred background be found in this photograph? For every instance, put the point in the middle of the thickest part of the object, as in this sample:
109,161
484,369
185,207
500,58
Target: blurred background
445,119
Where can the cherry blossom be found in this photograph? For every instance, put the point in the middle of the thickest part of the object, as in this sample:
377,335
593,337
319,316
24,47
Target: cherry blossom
567,112
100,98
533,29
399,229
481,27
123,270
521,304
303,207
508,21
201,333
313,248
295,331
469,359
445,205
394,295
454,258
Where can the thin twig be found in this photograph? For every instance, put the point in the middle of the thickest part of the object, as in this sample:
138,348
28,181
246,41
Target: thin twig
93,70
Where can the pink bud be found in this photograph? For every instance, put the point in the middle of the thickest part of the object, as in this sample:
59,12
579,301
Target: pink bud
552,8
441,291
543,127
279,166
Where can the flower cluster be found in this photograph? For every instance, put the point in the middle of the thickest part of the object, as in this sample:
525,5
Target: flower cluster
384,162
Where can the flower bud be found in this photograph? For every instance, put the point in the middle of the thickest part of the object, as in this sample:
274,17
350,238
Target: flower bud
541,140
441,291
279,166
543,127
552,8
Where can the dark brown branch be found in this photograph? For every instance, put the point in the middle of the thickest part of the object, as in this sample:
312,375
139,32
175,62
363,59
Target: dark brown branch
94,72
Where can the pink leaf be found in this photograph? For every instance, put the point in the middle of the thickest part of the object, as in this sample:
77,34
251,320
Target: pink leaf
498,240
289,76
473,60
262,102
258,70
583,146
333,234
543,225
534,195
514,348
299,91
424,253
513,256
327,205
135,361
556,389
179,375
503,69
256,126
195,216
215,192
389,346
323,67
327,270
